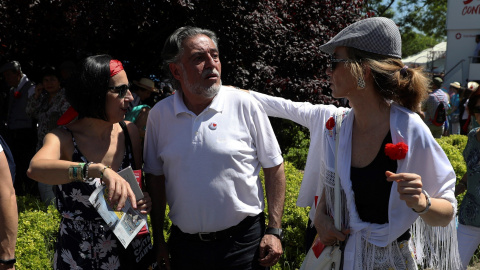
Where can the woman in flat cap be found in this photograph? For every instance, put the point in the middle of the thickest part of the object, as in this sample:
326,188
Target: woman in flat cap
397,183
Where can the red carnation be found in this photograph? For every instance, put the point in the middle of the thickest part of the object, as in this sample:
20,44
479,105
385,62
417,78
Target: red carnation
330,123
396,151
17,94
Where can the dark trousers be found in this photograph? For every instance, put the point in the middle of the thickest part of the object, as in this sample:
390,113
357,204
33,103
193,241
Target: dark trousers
22,143
239,251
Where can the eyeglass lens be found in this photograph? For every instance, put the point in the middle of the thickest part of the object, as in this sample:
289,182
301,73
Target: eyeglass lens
121,90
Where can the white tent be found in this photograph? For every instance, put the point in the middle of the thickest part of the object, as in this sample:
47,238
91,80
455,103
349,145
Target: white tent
432,59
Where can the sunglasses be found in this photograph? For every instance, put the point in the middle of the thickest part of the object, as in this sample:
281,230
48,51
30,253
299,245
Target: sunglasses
476,109
121,90
332,62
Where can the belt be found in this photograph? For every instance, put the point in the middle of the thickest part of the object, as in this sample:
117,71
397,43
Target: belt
220,235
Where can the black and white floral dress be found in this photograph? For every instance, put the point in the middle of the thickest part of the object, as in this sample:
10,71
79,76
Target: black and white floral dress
84,240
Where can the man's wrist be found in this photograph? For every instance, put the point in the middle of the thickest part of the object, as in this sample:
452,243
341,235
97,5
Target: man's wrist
278,232
8,261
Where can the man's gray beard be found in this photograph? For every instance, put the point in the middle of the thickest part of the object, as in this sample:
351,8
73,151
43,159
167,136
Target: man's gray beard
206,92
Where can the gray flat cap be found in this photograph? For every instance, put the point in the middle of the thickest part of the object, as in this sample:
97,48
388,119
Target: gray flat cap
377,35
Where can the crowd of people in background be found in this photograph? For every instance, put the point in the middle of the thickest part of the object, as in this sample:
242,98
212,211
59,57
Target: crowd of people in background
445,111
204,148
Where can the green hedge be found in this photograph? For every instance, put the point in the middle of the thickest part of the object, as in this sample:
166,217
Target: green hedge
37,231
38,225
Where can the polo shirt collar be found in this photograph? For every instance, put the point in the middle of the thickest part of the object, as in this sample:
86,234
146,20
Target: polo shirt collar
217,104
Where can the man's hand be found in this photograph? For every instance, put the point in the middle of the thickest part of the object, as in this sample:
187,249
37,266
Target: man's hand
270,250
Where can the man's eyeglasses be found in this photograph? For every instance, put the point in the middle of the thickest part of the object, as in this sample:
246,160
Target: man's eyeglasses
332,62
121,90
476,109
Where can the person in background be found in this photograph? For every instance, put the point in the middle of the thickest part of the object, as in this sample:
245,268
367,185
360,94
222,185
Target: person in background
435,96
454,111
143,93
476,52
204,149
88,153
397,183
8,213
468,231
47,105
67,69
20,133
464,115
472,122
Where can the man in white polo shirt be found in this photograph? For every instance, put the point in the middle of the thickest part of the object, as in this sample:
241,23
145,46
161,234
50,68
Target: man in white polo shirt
204,148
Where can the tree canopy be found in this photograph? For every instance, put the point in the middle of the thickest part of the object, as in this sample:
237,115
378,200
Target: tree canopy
268,45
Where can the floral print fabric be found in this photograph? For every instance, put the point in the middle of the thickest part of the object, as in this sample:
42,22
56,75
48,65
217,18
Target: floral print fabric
469,209
84,240
46,113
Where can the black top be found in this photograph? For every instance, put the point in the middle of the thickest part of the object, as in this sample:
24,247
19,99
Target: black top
371,188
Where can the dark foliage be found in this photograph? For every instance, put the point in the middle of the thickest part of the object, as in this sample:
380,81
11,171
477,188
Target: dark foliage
267,45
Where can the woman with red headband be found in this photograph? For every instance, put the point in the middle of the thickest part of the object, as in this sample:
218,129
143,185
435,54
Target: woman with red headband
86,153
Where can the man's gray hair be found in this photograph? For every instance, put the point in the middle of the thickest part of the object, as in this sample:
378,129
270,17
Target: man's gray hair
173,49
12,65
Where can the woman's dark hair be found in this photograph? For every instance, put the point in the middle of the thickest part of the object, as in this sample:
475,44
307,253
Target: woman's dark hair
472,101
49,71
392,79
87,90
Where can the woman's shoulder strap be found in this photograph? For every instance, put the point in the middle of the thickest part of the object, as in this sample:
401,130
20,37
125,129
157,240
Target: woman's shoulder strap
128,142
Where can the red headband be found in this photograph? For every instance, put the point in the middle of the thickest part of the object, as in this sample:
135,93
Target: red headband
115,67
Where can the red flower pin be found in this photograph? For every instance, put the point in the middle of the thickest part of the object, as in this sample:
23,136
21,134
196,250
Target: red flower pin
330,123
17,94
396,151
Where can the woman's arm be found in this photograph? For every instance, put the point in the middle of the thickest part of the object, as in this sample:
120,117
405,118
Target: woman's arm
47,167
8,214
410,188
303,113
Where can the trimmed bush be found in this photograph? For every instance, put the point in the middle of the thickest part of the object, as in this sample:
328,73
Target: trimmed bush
294,221
37,233
453,147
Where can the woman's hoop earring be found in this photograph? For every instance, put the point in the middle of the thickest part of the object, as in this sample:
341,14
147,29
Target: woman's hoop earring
361,83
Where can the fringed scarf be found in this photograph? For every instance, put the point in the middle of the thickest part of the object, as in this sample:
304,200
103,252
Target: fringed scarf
375,246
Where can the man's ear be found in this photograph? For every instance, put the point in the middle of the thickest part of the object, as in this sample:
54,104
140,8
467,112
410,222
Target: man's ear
175,70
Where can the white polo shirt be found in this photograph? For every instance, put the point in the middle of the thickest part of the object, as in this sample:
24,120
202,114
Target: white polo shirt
211,161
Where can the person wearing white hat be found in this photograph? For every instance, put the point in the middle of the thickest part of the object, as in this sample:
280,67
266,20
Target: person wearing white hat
454,112
398,183
142,91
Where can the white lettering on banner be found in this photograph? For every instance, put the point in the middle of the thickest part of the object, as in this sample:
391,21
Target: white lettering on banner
141,247
471,10
144,252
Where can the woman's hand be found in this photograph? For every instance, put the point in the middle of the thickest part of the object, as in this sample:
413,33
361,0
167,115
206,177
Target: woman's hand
145,204
409,186
118,190
38,90
326,230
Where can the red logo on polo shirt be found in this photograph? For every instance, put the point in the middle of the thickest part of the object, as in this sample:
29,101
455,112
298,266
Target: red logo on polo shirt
212,126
